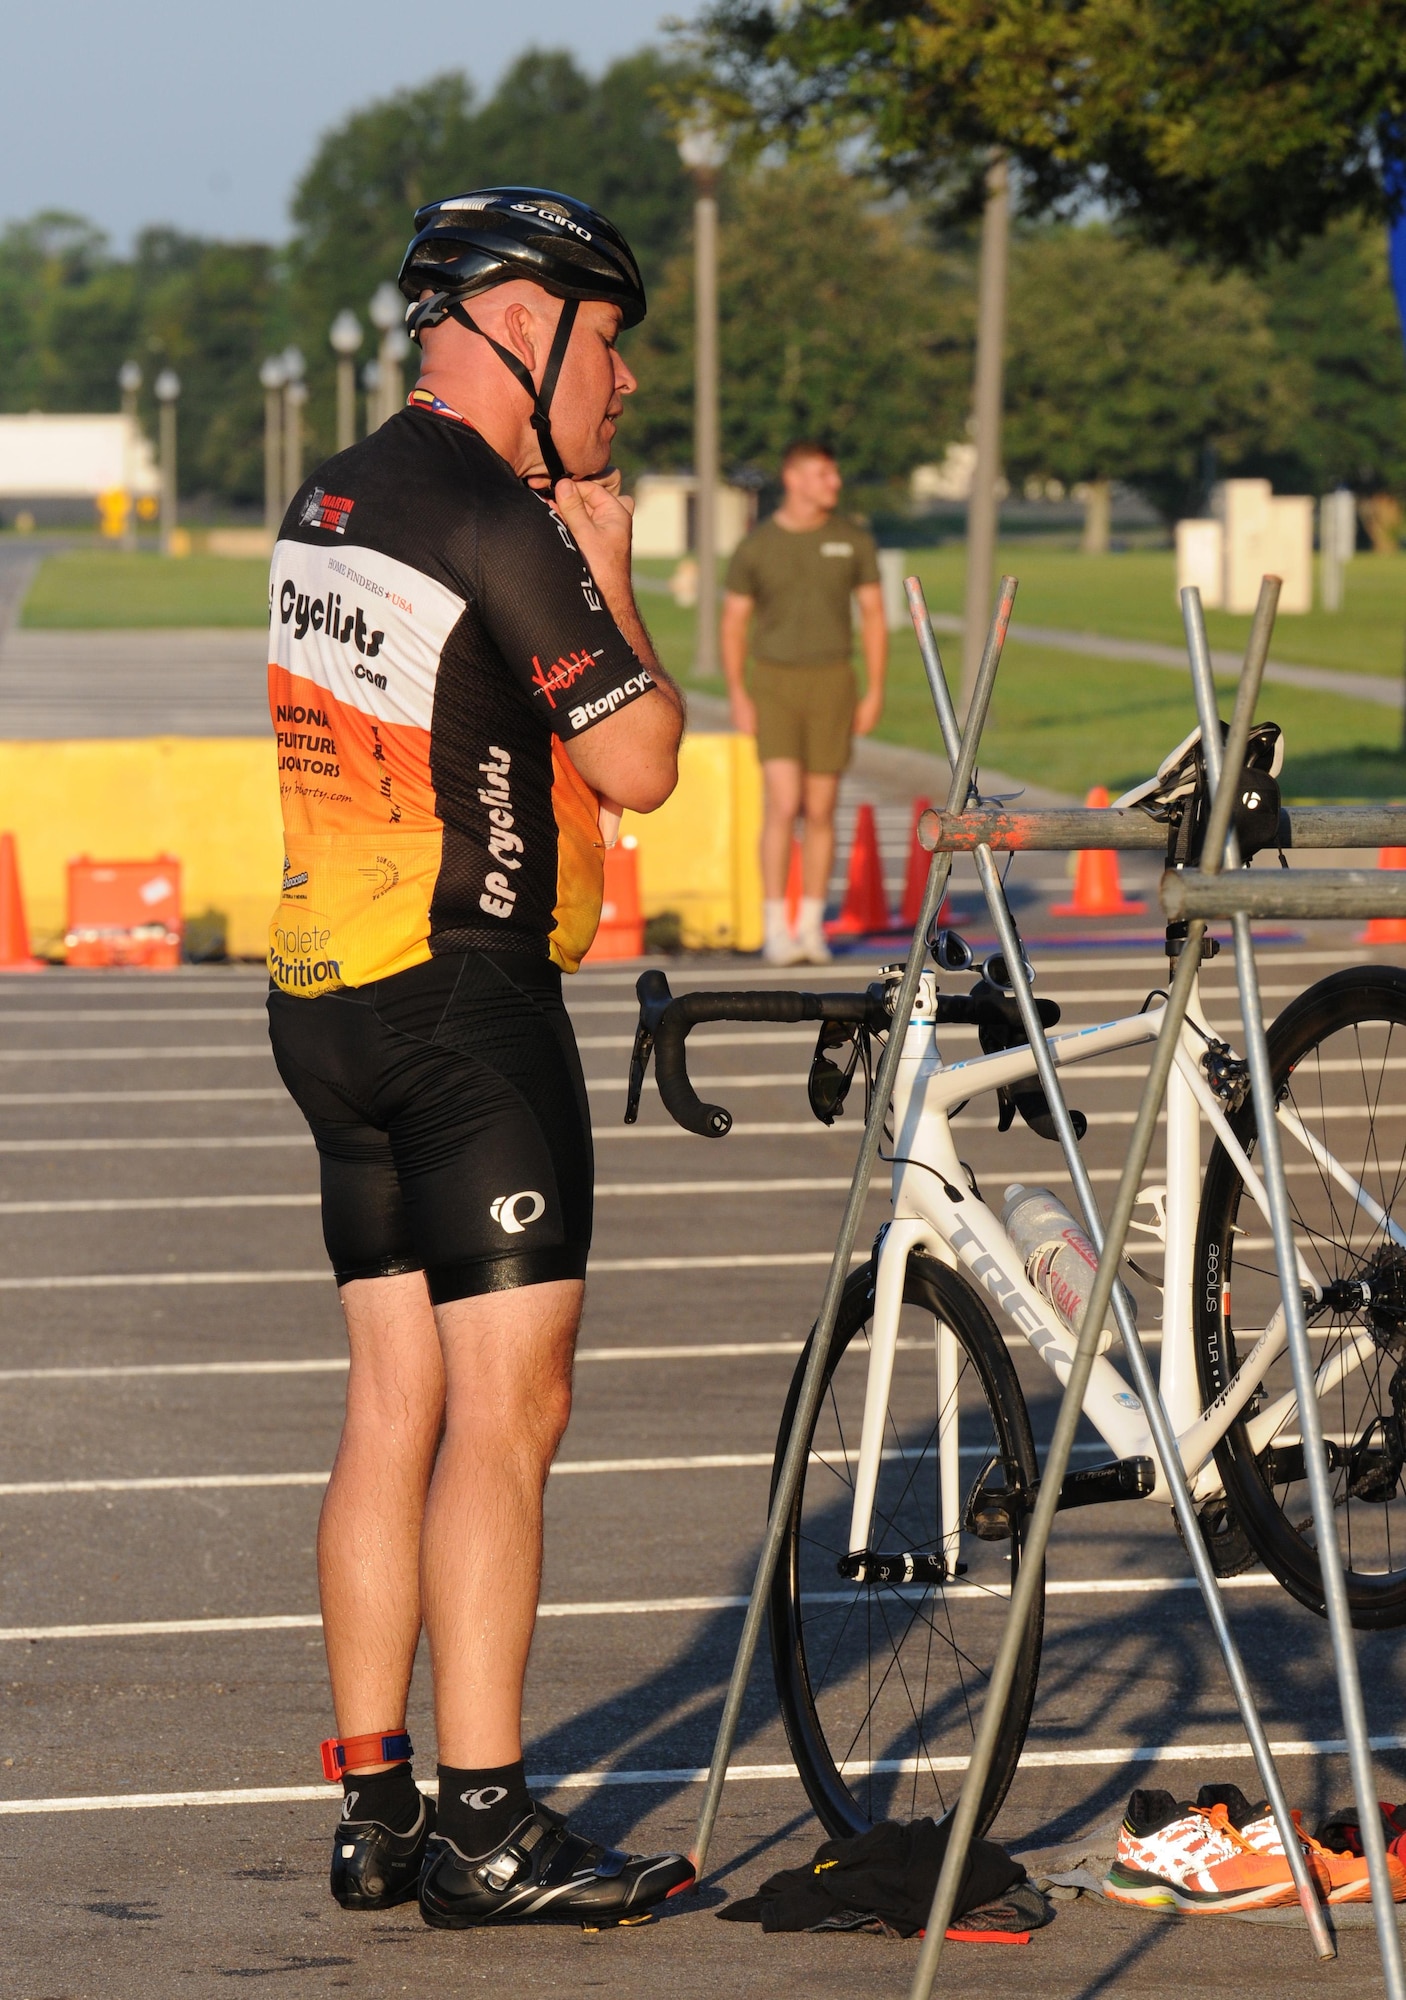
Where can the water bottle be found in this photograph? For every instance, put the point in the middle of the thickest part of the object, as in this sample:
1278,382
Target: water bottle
1059,1259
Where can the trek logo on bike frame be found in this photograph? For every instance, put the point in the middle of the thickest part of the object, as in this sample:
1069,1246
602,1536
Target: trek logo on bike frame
1006,1295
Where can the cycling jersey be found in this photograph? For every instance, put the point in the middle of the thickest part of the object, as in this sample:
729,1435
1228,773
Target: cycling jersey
435,637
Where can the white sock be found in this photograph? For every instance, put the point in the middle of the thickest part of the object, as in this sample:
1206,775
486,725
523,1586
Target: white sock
811,922
774,919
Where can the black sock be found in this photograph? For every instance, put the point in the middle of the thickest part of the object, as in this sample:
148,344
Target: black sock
387,1797
479,1809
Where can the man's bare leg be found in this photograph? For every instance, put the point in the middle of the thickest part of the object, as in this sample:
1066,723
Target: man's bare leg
782,803
507,1359
368,1537
822,789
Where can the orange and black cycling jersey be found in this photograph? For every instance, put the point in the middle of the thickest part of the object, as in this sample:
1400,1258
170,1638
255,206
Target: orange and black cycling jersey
434,637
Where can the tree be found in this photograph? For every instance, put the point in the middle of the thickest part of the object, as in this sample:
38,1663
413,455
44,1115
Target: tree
1234,126
1123,363
838,321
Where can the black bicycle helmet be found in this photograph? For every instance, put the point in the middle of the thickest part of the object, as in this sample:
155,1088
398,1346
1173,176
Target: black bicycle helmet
472,242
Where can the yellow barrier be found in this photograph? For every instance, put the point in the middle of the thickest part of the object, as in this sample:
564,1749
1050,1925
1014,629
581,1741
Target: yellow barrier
699,852
213,802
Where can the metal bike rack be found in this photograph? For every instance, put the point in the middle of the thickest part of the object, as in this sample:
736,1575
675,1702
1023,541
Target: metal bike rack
969,826
1194,895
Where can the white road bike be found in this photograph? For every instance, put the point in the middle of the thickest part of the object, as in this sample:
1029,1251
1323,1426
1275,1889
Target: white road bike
922,1467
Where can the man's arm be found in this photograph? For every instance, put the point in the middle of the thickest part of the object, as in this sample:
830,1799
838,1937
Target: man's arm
874,638
736,622
630,759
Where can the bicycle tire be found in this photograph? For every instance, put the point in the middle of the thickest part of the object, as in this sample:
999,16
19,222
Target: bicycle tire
825,1673
1349,1026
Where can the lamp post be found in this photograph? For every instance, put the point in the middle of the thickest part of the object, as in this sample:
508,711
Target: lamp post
272,377
986,400
703,149
371,383
345,336
295,394
129,381
168,388
387,310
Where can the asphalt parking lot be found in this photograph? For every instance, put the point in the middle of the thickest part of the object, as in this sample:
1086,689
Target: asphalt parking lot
170,1381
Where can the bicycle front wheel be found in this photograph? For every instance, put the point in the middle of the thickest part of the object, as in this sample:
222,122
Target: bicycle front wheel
1338,1059
881,1683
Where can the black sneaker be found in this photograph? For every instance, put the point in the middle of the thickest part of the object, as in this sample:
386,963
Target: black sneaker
547,1873
373,1868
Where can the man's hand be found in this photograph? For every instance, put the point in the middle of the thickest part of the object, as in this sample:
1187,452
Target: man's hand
867,712
599,518
744,711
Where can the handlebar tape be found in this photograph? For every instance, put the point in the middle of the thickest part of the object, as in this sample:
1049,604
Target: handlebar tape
669,1022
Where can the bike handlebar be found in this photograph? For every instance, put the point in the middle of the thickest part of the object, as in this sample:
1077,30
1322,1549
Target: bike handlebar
665,1023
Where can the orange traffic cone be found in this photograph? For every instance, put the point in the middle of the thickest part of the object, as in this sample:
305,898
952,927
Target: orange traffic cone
14,932
1098,892
1387,930
916,878
621,930
795,887
866,907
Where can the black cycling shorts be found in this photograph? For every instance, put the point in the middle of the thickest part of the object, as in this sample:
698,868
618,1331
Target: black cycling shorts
451,1122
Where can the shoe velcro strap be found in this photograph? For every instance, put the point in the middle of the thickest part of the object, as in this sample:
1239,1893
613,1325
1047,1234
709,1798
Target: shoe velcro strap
380,1747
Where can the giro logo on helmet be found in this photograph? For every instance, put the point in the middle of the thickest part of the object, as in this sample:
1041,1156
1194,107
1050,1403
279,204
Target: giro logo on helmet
505,1210
557,215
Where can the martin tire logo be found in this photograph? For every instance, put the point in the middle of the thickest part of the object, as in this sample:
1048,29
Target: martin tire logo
509,1215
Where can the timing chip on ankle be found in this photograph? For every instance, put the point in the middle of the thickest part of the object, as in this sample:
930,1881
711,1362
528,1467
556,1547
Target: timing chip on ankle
340,1751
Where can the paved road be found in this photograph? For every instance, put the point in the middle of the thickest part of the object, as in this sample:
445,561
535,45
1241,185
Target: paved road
172,1371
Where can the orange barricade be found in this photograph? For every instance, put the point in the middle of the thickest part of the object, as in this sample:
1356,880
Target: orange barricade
124,913
621,932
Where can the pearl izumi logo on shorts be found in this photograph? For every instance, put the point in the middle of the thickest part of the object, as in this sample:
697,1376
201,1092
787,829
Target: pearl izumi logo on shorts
326,510
485,1797
510,1214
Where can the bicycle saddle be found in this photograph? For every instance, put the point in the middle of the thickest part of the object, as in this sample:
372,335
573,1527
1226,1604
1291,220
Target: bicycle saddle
1179,796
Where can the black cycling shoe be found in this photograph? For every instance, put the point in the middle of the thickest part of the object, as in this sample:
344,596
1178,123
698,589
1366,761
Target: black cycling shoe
545,1873
373,1868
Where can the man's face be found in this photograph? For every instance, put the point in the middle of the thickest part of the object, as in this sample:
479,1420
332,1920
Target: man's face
591,389
813,482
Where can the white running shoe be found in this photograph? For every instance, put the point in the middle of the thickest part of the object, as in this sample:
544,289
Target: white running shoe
1184,1857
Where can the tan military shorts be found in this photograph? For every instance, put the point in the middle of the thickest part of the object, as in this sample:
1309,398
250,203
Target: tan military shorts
804,714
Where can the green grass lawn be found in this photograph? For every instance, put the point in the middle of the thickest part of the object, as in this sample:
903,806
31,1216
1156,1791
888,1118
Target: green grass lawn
1133,596
91,589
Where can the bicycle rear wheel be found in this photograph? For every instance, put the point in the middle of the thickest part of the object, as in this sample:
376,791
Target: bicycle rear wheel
1338,1059
881,1683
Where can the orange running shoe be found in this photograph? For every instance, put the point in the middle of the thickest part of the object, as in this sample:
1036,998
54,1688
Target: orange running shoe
1341,1878
1185,1857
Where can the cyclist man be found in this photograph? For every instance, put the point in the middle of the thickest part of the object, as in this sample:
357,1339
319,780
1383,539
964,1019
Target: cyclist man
463,694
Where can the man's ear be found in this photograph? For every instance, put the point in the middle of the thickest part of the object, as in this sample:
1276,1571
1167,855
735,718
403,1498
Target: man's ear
521,334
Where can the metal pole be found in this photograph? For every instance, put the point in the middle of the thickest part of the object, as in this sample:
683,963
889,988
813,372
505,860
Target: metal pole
1071,1405
986,411
294,397
272,376
1301,1361
813,1380
705,420
129,381
168,388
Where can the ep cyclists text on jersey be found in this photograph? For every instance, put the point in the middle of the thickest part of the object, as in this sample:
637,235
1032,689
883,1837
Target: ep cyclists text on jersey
435,635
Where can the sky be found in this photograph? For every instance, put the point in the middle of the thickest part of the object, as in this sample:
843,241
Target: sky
203,115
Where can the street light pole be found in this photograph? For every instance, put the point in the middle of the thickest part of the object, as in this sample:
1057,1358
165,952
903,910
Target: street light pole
371,383
387,310
703,150
345,336
272,376
295,394
168,388
129,381
986,401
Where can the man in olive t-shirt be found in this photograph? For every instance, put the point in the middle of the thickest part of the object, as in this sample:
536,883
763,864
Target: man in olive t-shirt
790,583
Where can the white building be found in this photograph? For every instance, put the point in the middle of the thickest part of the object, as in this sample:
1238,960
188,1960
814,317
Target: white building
74,457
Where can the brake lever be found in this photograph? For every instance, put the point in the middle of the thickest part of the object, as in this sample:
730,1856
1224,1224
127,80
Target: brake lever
652,991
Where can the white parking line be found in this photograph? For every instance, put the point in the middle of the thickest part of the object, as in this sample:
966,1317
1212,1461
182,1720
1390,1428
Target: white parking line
42,1016
627,1607
1113,1757
117,1280
165,1053
604,1191
16,1097
688,1351
203,1144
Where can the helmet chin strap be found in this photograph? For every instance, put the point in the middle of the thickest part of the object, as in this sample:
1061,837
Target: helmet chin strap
541,398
